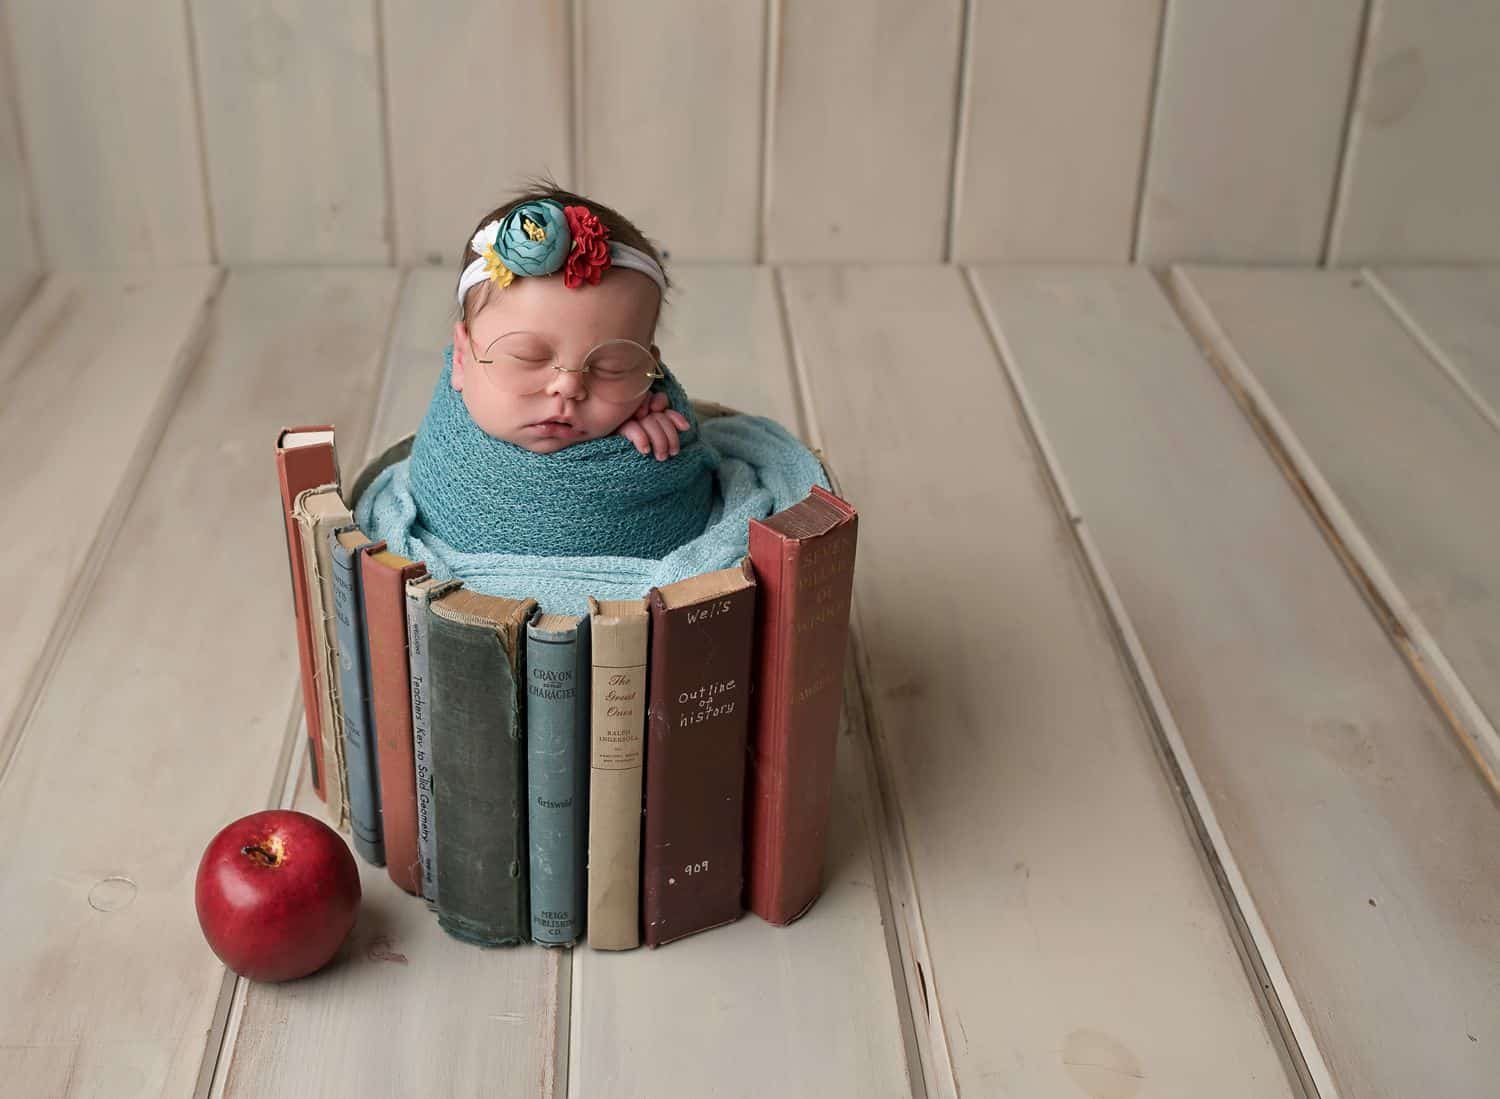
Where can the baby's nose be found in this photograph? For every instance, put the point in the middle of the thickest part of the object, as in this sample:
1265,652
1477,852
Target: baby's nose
567,383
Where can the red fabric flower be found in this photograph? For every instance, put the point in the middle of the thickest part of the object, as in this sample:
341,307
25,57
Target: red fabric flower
589,255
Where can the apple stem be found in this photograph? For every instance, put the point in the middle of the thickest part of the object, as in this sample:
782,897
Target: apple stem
266,858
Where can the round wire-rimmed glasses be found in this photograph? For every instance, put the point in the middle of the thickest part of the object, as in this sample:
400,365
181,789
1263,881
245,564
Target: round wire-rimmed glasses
522,363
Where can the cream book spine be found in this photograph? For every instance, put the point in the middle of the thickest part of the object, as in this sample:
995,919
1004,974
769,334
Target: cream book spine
617,726
317,511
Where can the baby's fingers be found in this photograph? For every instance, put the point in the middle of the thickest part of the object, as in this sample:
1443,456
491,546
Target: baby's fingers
633,431
663,435
655,402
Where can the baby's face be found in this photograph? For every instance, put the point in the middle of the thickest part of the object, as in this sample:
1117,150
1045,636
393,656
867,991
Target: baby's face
623,305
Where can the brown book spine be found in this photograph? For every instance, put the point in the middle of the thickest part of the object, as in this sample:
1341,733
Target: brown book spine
804,563
385,575
697,722
297,470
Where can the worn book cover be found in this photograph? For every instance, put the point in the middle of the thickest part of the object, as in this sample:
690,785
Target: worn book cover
384,579
346,545
702,630
305,458
557,754
619,629
419,593
803,558
477,664
318,512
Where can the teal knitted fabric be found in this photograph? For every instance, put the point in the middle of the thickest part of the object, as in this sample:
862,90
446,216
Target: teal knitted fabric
480,494
548,545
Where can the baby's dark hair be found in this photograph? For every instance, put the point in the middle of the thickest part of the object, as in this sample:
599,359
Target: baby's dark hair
620,227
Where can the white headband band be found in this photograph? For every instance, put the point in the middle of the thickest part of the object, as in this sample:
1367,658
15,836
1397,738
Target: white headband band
620,255
535,239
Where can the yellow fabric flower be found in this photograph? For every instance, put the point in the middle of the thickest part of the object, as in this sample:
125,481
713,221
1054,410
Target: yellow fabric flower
495,267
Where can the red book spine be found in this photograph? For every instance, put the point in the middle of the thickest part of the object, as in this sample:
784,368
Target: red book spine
390,704
297,470
804,569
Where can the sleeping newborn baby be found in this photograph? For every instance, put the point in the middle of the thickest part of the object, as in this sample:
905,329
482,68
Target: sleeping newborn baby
544,367
559,456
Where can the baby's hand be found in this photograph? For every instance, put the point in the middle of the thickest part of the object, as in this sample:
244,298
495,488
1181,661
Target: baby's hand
654,427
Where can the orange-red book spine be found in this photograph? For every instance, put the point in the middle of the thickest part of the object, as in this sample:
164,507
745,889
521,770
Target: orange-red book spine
803,559
297,470
385,575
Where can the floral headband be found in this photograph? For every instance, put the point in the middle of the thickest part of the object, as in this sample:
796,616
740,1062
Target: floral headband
538,238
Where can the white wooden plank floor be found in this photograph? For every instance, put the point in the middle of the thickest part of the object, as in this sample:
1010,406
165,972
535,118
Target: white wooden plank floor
1144,788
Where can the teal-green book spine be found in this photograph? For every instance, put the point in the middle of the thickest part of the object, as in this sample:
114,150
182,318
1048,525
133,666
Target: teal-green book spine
557,757
477,734
354,692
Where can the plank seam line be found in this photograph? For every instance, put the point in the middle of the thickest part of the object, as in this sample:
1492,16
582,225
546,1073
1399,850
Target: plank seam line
200,133
873,812
575,99
383,108
1421,652
1424,340
1338,205
559,1013
962,105
1248,931
1148,135
770,88
142,456
934,1068
12,85
213,1072
223,1032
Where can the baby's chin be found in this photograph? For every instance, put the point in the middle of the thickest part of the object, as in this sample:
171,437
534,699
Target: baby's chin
548,440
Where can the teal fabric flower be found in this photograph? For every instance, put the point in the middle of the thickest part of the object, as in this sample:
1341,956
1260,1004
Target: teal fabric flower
534,238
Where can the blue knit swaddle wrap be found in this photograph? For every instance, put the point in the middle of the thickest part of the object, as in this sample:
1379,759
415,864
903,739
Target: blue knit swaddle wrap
480,494
596,518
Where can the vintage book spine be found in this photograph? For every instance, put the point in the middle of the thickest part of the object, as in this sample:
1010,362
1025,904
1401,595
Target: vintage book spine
617,722
318,563
804,563
557,708
297,470
479,767
693,877
418,594
384,577
354,698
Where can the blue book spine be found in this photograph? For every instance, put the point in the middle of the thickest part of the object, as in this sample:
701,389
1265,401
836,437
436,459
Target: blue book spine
359,745
557,747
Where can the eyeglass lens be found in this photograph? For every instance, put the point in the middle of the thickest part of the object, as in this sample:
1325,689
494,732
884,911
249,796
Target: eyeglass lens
523,363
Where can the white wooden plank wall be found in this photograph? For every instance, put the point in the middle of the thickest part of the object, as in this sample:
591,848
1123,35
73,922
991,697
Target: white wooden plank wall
479,94
353,131
1074,941
1454,313
1249,124
19,261
1423,178
669,120
1366,839
1055,104
108,982
107,110
862,101
292,128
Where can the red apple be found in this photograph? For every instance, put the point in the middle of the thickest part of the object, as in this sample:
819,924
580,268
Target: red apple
277,894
